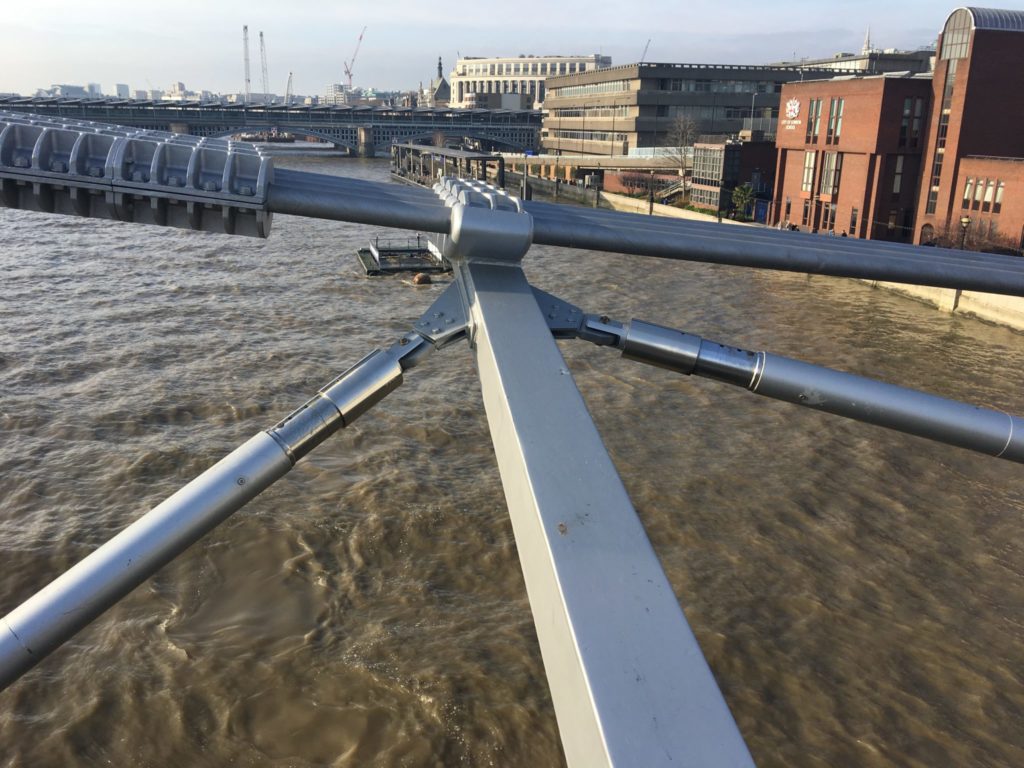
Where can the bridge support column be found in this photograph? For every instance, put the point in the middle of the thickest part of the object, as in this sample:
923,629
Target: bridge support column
365,141
178,127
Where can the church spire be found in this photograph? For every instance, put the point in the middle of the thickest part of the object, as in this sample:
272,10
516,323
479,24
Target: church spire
439,72
867,42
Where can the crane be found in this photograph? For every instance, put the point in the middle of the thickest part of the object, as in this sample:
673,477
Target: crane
263,64
245,50
644,54
351,63
288,91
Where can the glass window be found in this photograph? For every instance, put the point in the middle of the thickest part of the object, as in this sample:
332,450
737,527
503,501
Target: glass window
897,179
968,190
956,35
831,165
835,121
990,188
853,221
813,120
979,191
808,181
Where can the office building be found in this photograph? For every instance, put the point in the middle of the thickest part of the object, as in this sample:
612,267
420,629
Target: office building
620,110
122,91
475,79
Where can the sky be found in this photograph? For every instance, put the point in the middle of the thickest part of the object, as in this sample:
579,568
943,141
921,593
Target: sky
152,44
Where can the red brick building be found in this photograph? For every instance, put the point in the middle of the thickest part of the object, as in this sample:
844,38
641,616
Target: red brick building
849,155
975,140
909,157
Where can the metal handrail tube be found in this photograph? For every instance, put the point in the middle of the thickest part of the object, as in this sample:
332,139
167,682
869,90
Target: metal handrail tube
345,206
53,615
813,386
720,249
757,236
413,195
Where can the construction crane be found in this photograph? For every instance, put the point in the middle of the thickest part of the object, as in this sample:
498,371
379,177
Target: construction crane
642,55
288,91
351,63
245,50
263,64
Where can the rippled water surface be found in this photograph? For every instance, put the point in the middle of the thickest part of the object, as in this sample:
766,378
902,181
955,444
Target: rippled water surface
859,594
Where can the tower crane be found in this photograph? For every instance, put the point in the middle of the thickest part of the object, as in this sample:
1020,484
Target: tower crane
245,53
288,91
263,64
351,63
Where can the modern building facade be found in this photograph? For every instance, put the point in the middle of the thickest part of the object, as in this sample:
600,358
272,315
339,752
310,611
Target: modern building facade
975,145
619,110
849,155
718,168
474,79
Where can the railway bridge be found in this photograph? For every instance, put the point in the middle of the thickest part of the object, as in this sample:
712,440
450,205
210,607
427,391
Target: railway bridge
362,130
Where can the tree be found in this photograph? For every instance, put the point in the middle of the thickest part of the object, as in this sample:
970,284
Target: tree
679,140
742,197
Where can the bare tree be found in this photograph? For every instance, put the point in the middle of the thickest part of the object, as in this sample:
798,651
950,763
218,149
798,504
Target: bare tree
679,140
981,235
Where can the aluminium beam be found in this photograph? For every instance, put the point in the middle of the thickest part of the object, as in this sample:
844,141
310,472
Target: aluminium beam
628,680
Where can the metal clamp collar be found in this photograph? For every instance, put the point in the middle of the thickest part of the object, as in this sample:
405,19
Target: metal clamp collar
488,224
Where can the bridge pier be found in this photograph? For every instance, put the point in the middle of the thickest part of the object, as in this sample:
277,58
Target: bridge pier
366,147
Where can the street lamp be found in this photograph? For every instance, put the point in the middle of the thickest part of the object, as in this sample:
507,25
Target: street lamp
965,222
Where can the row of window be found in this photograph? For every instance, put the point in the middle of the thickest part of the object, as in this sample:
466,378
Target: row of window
718,86
714,112
986,194
503,86
898,224
831,169
589,135
910,125
942,130
525,68
619,110
834,127
708,165
708,197
591,89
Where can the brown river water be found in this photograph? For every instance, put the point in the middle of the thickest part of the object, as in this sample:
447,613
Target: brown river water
859,594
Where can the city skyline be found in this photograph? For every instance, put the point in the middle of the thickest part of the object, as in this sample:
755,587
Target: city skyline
202,47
